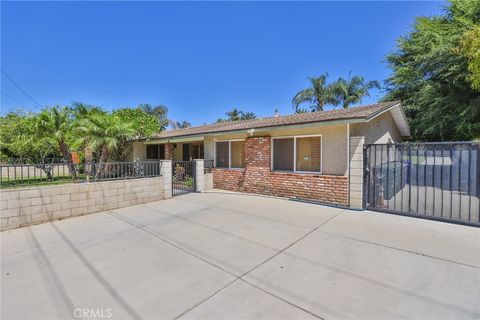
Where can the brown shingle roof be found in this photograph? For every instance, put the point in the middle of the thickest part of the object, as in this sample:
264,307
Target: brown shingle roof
301,118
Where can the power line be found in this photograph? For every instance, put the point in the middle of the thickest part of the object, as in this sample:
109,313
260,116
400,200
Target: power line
14,99
19,88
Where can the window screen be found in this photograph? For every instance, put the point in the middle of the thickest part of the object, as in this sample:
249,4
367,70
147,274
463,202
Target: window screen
283,154
152,151
308,154
238,154
222,154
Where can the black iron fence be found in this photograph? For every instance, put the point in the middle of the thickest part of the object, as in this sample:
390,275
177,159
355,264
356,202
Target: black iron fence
183,177
431,180
12,175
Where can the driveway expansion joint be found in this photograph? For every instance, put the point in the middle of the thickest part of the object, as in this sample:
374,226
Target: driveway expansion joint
145,229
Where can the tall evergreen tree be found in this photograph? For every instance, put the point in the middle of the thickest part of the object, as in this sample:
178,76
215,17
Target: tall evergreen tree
434,74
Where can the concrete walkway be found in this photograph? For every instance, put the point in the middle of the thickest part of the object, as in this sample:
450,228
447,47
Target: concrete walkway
230,256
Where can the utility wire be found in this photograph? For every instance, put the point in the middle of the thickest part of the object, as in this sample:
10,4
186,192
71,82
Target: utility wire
17,101
19,88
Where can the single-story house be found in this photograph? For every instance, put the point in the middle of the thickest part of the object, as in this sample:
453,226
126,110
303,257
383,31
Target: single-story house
308,155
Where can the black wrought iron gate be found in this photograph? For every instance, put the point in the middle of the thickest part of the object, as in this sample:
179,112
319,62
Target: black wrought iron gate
437,181
183,177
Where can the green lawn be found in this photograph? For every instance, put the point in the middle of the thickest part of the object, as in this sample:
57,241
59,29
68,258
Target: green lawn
30,182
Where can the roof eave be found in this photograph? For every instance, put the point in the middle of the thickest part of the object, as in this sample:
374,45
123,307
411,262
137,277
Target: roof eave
262,129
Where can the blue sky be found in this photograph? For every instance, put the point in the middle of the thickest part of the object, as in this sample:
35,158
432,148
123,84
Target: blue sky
200,59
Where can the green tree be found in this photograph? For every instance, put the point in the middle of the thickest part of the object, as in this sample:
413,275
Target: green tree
143,124
352,90
470,47
57,123
236,115
18,139
104,133
160,112
318,95
180,124
432,77
248,116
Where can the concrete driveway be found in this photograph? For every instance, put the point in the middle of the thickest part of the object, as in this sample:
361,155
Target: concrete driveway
230,256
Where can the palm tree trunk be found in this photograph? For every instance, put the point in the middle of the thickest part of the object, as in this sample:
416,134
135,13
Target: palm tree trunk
68,157
101,163
88,162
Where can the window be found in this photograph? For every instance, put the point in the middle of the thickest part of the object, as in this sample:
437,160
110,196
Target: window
155,151
308,154
283,154
152,151
222,154
298,154
237,154
230,154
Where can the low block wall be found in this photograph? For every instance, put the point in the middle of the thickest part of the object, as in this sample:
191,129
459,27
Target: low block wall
25,206
323,188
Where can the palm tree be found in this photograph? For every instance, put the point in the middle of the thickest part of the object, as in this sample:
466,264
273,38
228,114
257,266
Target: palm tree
82,112
57,122
234,115
248,116
103,133
180,124
351,91
318,95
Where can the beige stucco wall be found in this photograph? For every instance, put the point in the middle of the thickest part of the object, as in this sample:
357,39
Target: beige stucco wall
139,152
378,130
334,144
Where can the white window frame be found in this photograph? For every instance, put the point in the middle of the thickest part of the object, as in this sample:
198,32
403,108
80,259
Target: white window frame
295,153
229,153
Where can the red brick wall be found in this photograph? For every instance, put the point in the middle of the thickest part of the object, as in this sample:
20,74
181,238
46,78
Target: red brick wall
258,178
169,150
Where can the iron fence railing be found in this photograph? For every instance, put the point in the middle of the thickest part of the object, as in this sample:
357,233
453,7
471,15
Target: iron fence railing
183,177
12,175
29,160
438,181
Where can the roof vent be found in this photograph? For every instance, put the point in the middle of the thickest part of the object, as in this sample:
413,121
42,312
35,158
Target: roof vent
276,113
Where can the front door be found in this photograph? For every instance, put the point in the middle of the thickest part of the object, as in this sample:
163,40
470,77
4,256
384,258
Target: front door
186,152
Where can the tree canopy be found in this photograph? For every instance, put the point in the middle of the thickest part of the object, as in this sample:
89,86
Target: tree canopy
435,72
344,92
55,131
236,115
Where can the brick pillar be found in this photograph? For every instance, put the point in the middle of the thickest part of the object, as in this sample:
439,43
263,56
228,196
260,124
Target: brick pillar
257,166
257,152
356,172
199,175
166,172
169,151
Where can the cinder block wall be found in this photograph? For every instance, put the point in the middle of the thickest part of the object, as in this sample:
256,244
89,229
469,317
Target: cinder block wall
356,171
25,206
204,181
257,177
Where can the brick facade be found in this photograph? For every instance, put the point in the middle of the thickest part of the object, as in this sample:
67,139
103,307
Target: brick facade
258,178
169,151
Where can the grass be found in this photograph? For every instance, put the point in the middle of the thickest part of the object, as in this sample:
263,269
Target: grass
30,182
